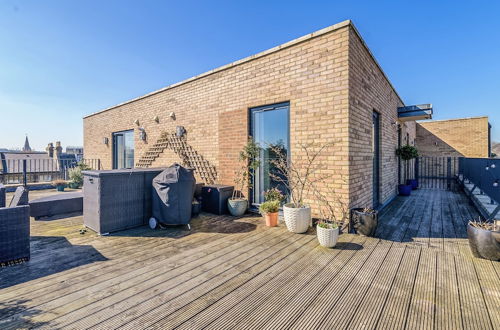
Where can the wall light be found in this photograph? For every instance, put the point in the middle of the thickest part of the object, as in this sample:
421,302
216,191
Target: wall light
136,122
105,140
142,134
180,131
156,119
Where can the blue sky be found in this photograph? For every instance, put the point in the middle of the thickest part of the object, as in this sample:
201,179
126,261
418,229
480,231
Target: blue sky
60,60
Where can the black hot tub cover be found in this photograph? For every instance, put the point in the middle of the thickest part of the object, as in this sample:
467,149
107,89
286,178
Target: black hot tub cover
173,191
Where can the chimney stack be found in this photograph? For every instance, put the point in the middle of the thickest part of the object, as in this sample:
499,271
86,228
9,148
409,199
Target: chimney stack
50,150
58,149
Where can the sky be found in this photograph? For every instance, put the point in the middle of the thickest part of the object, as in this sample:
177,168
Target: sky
61,60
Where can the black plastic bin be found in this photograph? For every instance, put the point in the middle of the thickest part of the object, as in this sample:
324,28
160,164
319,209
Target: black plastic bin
214,198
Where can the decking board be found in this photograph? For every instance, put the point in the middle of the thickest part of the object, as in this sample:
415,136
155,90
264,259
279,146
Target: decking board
236,273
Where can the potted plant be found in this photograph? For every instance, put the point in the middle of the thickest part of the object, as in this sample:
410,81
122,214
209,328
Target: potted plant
76,176
327,233
484,239
59,184
364,221
407,153
333,213
249,160
270,208
297,176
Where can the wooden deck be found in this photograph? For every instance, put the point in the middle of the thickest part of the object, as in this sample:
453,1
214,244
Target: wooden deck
229,273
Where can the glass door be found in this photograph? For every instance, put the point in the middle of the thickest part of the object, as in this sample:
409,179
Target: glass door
269,127
123,149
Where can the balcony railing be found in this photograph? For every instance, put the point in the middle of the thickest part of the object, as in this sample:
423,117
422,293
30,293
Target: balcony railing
484,175
26,171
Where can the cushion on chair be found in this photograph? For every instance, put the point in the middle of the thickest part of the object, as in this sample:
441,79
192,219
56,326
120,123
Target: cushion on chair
20,197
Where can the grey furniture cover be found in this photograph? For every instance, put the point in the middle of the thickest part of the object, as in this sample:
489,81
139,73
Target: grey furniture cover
173,191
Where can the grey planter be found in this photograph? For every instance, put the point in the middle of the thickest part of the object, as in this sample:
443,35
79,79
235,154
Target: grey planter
364,223
484,243
237,207
115,200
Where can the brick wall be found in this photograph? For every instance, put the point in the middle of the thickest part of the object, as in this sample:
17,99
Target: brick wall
311,73
369,90
332,83
467,137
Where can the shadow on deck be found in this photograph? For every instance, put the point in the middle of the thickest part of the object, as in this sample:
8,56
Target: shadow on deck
50,255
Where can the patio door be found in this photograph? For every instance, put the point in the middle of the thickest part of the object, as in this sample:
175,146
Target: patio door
123,149
269,127
376,158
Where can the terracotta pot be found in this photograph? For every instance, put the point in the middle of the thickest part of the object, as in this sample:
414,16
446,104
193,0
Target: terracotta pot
271,219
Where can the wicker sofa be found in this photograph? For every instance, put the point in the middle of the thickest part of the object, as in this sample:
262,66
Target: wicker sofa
15,230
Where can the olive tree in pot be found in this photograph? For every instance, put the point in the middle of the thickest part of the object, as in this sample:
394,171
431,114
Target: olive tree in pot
484,239
406,153
249,160
270,208
333,213
298,177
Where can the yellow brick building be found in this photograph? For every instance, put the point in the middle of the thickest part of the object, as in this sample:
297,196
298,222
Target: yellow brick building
325,87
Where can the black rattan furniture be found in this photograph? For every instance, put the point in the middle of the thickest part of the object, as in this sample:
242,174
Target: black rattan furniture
115,200
14,234
2,195
71,202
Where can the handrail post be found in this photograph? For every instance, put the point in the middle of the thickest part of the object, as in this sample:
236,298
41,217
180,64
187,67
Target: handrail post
25,178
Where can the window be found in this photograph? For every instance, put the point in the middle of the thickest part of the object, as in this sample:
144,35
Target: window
123,149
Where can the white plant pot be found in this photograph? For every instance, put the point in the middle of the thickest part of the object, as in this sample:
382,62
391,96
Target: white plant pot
327,237
237,207
297,219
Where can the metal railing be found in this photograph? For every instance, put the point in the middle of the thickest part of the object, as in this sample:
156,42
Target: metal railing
484,174
437,172
26,171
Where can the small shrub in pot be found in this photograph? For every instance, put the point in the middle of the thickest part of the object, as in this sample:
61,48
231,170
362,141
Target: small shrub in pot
59,184
249,161
76,176
327,233
333,212
269,210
